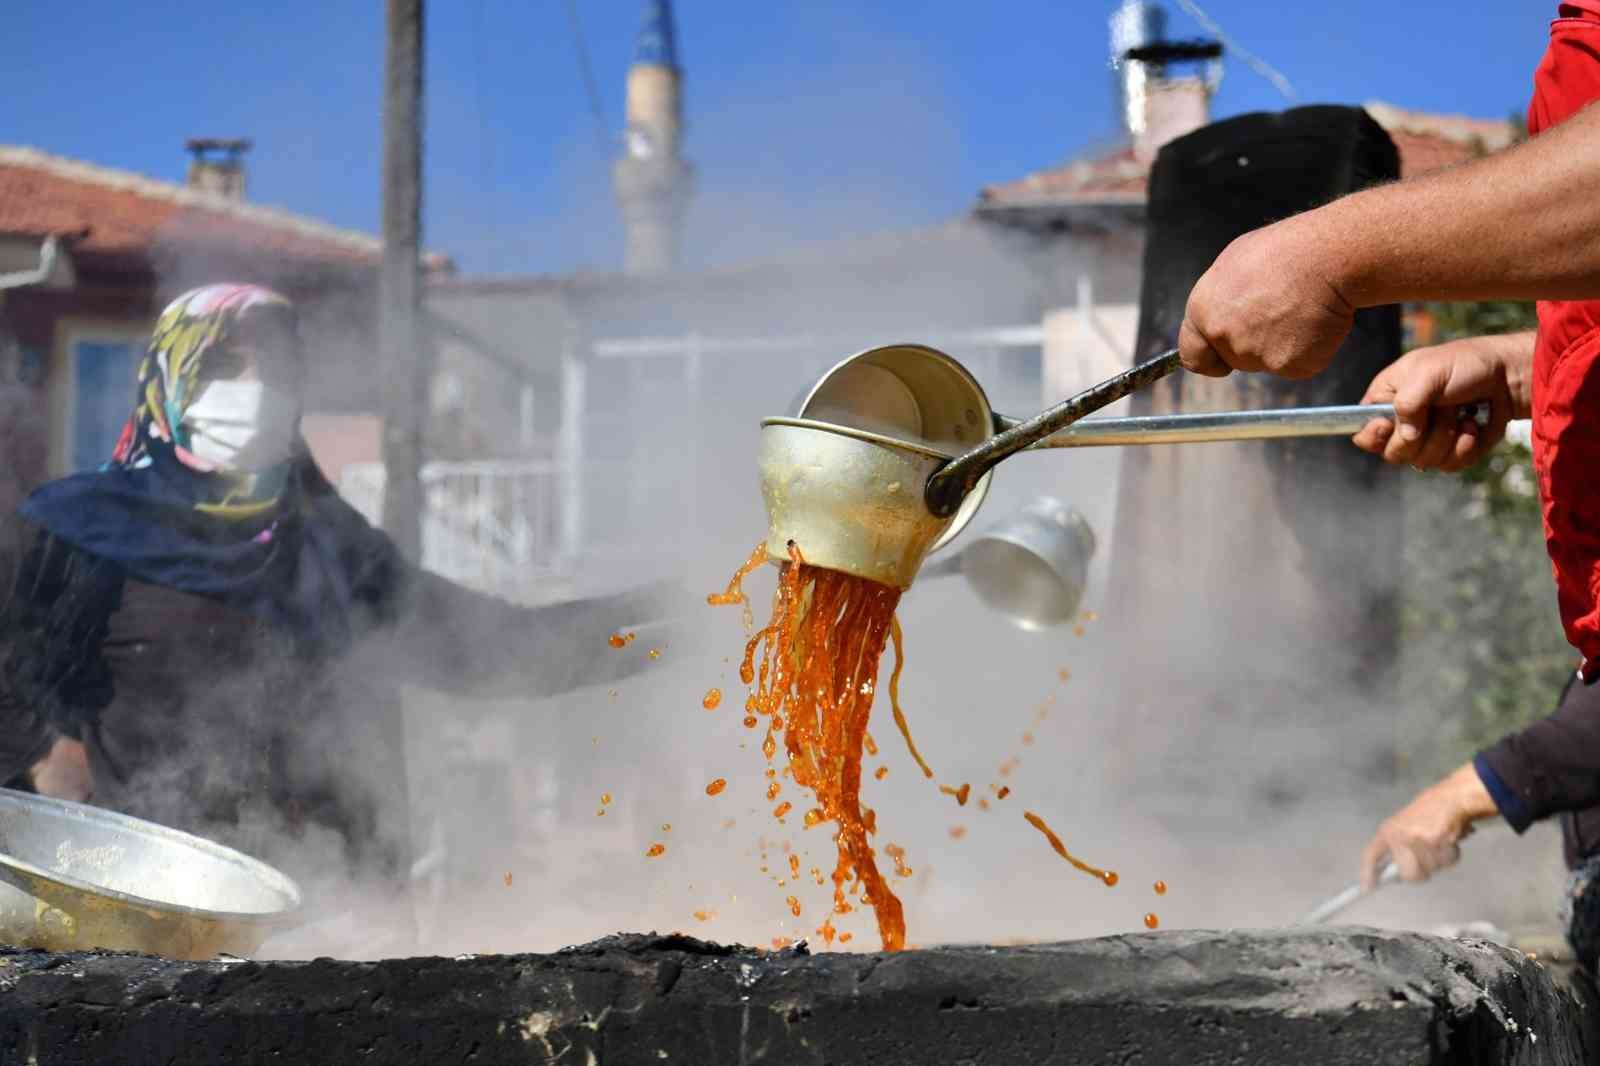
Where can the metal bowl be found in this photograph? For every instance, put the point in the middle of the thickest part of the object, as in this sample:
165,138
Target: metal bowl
849,499
75,878
1033,567
911,393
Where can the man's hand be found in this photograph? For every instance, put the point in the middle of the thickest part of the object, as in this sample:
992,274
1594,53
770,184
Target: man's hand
64,772
1428,385
1267,303
1423,836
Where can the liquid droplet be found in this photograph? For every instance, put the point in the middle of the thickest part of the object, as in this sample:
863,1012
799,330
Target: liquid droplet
655,850
1151,921
1160,887
716,787
712,700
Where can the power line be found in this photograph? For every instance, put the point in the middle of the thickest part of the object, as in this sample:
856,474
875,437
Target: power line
1253,61
586,69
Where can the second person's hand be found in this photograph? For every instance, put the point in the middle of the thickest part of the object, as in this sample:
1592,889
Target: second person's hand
1429,385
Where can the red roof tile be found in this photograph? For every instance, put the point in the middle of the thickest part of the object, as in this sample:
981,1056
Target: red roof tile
1426,142
120,215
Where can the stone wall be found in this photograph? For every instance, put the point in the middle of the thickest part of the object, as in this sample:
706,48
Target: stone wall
1196,998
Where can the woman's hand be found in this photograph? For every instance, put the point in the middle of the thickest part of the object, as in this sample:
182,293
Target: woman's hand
1423,837
64,772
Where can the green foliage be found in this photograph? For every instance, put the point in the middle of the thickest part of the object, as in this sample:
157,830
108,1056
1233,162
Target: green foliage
1483,651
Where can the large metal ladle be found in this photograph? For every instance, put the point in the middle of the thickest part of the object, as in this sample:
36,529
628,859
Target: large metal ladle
874,505
875,501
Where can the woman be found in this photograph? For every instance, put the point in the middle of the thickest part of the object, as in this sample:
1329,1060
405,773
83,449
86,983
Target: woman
204,634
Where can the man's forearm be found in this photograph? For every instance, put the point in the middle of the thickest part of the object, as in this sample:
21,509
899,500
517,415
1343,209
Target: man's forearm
1521,224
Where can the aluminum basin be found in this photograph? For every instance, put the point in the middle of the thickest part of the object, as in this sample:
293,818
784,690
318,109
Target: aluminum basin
76,878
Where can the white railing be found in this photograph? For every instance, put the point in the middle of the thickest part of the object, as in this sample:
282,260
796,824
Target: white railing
490,524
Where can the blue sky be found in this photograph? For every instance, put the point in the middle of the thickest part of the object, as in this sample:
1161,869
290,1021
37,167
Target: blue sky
807,120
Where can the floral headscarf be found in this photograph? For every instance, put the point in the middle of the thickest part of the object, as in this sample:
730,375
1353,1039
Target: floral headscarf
172,373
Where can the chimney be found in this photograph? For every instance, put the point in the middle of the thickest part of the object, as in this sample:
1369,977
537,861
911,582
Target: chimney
1134,24
1172,107
217,166
1160,101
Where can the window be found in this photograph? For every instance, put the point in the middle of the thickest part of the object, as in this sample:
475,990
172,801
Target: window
102,373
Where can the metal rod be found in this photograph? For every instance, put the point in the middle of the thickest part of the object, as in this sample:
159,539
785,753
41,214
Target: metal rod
1390,874
1216,426
951,483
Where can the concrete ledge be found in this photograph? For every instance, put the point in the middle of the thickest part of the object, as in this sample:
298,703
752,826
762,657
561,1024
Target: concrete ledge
1182,997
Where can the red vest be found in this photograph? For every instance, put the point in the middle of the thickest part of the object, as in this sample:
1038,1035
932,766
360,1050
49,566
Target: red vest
1566,363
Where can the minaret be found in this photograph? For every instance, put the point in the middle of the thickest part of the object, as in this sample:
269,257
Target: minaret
653,181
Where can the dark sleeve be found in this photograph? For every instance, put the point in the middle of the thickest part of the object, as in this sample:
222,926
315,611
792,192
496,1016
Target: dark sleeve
54,679
1550,767
454,639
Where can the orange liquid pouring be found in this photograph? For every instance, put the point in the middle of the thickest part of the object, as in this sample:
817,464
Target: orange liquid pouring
817,670
734,593
894,694
1107,876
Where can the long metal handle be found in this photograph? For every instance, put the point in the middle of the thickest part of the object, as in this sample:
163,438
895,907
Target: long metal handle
951,484
1216,426
1390,874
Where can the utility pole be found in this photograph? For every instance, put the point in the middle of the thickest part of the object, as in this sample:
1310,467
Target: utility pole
405,363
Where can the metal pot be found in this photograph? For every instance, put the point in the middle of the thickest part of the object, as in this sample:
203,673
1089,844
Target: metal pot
77,878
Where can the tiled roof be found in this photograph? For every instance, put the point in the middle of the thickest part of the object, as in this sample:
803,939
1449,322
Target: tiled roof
119,215
1426,142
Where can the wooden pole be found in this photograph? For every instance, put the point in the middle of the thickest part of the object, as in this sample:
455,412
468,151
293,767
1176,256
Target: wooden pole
404,359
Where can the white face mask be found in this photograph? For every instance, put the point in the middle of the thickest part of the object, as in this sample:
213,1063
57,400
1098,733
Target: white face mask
242,425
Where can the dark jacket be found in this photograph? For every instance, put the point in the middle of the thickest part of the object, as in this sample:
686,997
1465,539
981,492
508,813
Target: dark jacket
1552,767
205,718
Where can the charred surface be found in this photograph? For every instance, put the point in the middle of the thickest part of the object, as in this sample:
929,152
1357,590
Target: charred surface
1195,998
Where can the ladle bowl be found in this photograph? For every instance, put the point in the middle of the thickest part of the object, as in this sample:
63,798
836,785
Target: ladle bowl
1032,568
849,499
912,393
